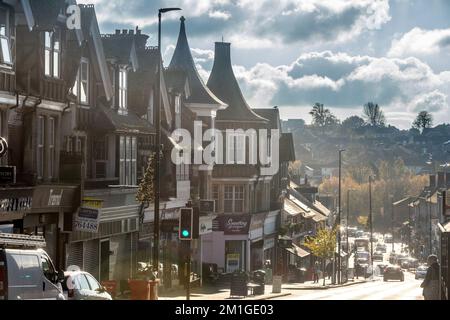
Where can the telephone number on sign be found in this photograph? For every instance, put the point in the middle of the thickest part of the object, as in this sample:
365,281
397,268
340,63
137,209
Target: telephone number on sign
86,225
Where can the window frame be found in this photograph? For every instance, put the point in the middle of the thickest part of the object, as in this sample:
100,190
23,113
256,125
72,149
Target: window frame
6,37
52,54
78,85
123,91
128,160
234,198
51,146
40,146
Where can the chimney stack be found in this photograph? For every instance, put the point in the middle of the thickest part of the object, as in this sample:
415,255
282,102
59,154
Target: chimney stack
117,31
124,31
131,32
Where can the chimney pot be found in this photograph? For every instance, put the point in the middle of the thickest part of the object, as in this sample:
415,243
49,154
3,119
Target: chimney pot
124,31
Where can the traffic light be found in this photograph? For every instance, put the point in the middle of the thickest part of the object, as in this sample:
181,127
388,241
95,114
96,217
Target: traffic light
186,224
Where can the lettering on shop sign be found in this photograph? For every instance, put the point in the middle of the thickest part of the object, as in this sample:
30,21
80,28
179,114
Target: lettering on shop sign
55,199
15,204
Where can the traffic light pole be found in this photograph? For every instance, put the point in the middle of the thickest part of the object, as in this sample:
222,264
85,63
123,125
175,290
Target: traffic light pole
188,272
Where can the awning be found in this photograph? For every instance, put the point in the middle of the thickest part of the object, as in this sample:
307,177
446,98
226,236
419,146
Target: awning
294,207
319,217
297,251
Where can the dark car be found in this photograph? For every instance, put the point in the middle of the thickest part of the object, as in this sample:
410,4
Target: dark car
378,256
393,273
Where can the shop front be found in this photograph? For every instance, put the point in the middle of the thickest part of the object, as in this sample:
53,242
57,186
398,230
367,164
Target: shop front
41,210
256,236
228,244
270,236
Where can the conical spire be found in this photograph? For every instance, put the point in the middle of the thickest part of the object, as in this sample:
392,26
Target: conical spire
224,85
182,60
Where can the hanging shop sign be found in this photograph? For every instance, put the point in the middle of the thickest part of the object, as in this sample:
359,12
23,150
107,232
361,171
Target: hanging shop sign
87,220
7,175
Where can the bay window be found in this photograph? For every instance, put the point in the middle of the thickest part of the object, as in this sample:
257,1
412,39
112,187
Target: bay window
127,163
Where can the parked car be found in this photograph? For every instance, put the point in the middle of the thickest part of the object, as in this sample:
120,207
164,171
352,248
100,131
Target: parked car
382,267
393,273
26,271
378,256
81,285
421,272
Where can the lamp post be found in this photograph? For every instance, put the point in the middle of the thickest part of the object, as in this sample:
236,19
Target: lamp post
371,223
157,183
391,198
339,220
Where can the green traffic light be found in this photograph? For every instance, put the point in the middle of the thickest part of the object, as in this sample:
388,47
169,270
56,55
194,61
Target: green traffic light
185,233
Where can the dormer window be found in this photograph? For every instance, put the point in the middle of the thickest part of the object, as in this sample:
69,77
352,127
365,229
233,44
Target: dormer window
6,57
81,86
123,83
52,42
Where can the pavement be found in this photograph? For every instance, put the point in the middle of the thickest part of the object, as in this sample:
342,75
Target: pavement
223,293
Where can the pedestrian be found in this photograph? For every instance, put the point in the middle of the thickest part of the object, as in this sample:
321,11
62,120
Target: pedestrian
357,270
329,269
316,271
431,283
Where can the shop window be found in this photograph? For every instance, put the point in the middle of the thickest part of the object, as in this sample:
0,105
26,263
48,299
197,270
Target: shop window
5,40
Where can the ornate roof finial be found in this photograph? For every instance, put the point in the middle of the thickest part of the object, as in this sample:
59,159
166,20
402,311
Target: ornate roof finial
182,19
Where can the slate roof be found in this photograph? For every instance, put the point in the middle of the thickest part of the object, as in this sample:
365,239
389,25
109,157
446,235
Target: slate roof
223,83
108,119
273,115
182,60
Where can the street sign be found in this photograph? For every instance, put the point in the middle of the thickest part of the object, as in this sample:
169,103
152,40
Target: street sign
87,220
3,146
7,175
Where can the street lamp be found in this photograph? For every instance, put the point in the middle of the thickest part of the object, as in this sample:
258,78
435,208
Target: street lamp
391,197
371,223
339,219
158,146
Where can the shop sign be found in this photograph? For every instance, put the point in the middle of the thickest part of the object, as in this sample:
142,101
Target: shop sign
15,204
87,220
7,175
54,199
233,224
92,202
205,225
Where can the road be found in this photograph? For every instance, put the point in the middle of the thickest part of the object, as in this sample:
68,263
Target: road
375,289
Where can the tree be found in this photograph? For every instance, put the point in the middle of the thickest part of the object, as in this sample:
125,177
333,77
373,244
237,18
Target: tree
322,117
352,123
146,193
374,115
322,245
424,120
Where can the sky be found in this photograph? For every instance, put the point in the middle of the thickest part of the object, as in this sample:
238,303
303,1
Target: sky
293,53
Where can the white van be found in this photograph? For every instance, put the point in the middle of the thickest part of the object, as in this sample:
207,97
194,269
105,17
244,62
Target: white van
26,271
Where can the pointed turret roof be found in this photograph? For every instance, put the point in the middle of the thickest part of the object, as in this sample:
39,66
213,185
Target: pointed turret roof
182,60
225,86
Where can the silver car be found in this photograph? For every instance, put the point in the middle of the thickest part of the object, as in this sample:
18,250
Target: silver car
421,272
81,285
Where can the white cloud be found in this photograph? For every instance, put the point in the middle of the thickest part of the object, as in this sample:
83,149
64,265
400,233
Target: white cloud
219,15
434,101
420,42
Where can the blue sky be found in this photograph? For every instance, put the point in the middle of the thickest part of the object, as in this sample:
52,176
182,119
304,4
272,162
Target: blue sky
293,53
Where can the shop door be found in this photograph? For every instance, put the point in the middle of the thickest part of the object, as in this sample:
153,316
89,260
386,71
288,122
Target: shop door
104,260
